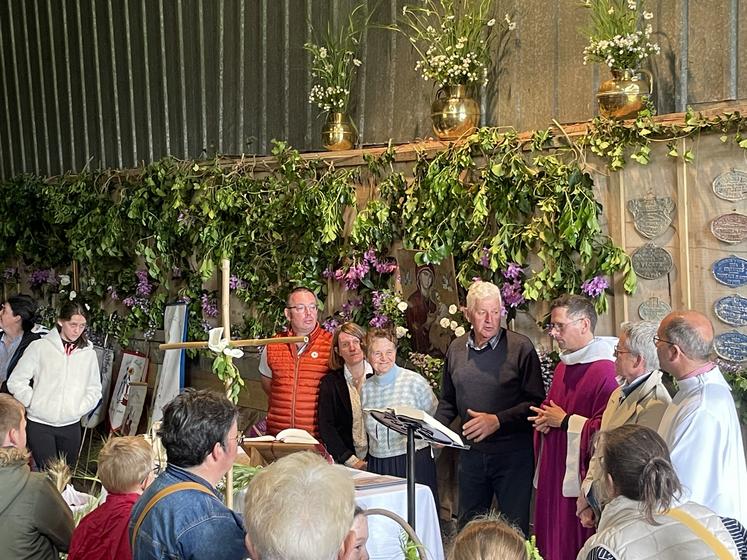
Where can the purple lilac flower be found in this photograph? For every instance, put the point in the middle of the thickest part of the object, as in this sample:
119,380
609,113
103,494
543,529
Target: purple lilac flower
330,325
206,326
355,273
595,286
386,267
513,271
236,283
485,257
329,272
511,293
10,273
209,308
183,299
112,291
144,287
370,256
379,321
129,302
377,298
39,277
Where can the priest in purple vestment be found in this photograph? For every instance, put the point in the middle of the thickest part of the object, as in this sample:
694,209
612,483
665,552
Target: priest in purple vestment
566,422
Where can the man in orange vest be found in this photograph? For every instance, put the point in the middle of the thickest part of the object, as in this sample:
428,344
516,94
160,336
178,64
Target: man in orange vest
291,373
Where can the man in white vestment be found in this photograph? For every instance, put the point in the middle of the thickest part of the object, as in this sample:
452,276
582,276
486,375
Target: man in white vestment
640,399
701,426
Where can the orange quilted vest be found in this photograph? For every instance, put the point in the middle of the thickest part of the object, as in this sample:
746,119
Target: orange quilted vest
295,382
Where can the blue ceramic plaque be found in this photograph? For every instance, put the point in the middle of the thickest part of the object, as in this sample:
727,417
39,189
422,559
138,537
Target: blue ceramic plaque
732,310
731,271
732,346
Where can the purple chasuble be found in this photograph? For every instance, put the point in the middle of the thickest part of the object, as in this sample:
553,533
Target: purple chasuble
580,389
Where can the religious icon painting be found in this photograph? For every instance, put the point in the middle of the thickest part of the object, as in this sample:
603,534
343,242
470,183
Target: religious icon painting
429,290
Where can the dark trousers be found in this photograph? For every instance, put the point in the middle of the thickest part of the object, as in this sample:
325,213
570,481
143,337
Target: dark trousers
49,442
506,475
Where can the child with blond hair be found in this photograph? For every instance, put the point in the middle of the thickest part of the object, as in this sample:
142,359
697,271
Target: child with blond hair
125,469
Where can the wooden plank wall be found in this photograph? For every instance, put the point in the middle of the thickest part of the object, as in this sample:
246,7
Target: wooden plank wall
116,83
694,249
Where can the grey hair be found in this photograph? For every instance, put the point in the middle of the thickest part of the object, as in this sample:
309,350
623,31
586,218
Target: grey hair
678,331
482,290
577,305
299,508
640,337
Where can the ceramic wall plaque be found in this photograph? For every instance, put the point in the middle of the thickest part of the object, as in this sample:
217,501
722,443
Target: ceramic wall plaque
730,271
651,262
730,228
732,346
731,186
654,309
732,310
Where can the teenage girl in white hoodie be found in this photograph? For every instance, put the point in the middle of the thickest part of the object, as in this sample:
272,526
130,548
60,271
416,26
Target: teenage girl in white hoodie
58,381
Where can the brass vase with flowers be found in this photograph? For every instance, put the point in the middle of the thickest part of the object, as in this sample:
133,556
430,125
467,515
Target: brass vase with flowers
455,114
453,39
339,132
334,63
625,94
620,39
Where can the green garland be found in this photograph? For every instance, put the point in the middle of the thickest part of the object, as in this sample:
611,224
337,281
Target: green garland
488,202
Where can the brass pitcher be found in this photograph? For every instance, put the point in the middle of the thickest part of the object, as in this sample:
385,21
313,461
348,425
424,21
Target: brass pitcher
454,113
625,94
339,132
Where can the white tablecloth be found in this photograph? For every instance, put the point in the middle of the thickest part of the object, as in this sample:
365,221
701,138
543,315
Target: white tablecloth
384,533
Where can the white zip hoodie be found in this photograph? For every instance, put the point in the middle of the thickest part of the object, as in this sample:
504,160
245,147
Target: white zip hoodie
65,387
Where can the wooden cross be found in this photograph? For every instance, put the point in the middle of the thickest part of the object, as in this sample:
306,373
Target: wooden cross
225,293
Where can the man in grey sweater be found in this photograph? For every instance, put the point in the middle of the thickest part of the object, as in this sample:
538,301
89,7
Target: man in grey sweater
491,378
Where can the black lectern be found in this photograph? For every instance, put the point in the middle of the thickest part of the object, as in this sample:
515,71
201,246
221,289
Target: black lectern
416,424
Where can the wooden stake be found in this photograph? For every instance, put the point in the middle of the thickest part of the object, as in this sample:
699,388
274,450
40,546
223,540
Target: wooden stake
225,295
242,343
76,276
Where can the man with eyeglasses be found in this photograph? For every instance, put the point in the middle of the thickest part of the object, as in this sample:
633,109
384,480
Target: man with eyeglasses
701,425
641,399
566,423
291,373
181,514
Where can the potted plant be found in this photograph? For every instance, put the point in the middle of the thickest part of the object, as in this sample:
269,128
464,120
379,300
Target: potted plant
334,62
452,39
620,37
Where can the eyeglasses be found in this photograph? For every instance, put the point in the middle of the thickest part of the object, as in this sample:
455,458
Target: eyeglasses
560,326
618,351
658,339
312,308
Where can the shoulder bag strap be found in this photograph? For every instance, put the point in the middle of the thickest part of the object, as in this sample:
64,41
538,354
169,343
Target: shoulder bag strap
700,530
158,497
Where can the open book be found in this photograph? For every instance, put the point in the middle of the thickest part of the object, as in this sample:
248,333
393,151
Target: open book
289,435
429,429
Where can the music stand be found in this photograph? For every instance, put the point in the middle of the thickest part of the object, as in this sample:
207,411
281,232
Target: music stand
413,429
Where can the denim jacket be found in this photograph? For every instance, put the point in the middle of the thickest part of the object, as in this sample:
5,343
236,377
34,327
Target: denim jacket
187,524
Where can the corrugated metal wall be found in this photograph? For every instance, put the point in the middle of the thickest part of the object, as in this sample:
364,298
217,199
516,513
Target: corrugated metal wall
113,83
